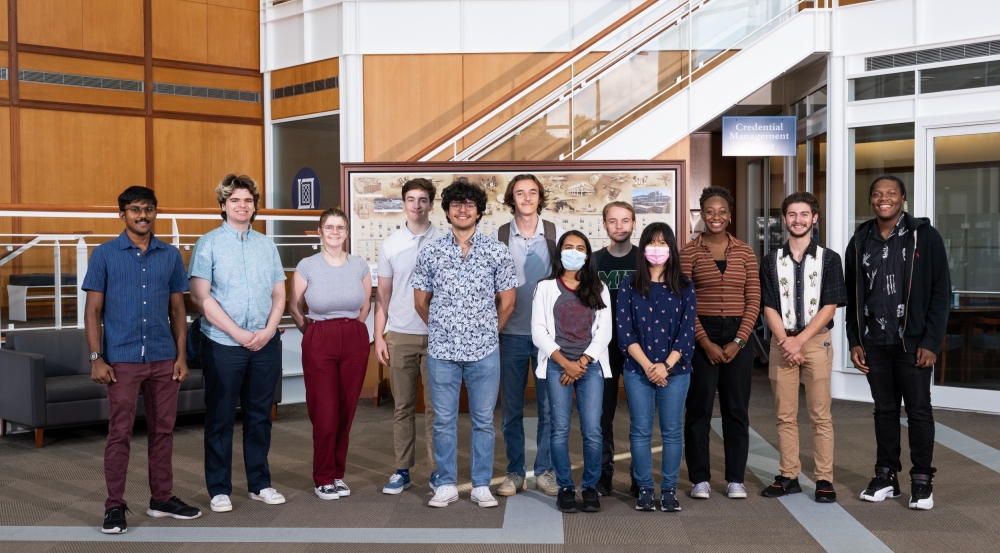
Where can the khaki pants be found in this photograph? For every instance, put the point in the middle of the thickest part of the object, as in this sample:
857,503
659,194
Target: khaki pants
815,372
407,363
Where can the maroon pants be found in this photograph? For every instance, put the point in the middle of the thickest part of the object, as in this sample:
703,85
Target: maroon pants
159,397
334,361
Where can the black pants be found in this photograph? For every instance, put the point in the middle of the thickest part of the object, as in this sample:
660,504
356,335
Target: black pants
234,374
894,376
732,381
610,403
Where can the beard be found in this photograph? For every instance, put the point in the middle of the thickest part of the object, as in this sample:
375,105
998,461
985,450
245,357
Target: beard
805,233
626,238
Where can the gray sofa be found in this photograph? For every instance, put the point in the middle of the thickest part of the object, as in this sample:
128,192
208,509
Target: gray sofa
45,383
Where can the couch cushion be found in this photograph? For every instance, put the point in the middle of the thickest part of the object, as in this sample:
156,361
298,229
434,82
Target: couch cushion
66,352
77,387
194,381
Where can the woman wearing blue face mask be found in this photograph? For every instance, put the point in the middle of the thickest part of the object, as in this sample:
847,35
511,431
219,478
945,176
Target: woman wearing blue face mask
656,319
571,326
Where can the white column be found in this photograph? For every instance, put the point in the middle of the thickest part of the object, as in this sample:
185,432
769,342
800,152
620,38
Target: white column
57,273
81,273
352,106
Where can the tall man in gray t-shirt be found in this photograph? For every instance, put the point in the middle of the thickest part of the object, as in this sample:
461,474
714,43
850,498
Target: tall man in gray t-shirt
404,344
532,242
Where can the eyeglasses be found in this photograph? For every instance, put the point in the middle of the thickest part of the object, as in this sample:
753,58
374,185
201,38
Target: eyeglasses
457,206
331,228
135,210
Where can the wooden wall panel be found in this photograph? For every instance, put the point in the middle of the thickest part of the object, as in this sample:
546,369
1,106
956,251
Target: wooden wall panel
233,37
162,102
3,20
303,104
180,30
191,157
113,26
79,158
5,157
76,94
51,23
409,101
218,32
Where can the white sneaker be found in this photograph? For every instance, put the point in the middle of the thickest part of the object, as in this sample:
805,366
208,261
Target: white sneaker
482,496
546,482
736,490
701,490
328,492
221,504
444,495
269,496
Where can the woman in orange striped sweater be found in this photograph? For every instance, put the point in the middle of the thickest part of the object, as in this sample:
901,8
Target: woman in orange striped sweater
727,287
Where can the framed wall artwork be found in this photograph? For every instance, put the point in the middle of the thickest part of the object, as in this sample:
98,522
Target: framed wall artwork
577,193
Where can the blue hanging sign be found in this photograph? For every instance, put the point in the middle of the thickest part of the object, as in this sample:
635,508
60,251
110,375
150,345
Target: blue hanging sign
305,189
758,136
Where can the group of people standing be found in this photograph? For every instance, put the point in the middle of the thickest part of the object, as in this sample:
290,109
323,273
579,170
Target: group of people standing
462,307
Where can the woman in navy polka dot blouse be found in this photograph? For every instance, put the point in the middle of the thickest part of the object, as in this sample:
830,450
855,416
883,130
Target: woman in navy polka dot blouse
656,318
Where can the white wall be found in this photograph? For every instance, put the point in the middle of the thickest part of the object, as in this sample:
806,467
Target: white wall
303,31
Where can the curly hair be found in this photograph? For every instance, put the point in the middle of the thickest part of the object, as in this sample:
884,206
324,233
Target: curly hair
508,196
230,183
462,190
800,197
713,191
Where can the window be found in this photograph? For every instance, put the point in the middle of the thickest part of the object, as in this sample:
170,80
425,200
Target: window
882,86
960,77
880,150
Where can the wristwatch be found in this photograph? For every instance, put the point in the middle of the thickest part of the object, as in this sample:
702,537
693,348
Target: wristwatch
741,343
94,356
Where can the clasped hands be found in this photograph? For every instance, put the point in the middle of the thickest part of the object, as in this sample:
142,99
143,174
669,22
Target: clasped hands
573,370
717,354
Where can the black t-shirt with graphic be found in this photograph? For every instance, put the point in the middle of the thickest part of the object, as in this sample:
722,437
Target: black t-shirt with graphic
613,271
883,262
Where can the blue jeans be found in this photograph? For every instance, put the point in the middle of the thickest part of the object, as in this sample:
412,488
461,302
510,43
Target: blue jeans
644,398
589,396
516,352
482,380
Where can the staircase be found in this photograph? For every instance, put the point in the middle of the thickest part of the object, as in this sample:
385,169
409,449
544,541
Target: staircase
653,77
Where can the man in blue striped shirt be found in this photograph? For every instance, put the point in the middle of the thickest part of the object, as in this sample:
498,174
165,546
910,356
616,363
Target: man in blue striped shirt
142,347
237,283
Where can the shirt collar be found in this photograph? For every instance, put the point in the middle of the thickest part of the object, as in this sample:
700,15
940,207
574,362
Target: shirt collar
810,249
231,230
124,243
428,233
516,232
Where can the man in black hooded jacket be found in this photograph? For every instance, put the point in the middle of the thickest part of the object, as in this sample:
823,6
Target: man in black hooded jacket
898,288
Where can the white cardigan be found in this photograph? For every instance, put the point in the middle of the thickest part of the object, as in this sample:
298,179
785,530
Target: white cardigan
543,328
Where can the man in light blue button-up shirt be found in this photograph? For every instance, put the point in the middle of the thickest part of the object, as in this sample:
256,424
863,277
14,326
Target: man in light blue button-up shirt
237,284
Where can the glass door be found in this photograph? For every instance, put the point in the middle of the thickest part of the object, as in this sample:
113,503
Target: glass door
964,196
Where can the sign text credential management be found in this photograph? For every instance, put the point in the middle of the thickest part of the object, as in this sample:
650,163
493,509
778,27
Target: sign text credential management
758,136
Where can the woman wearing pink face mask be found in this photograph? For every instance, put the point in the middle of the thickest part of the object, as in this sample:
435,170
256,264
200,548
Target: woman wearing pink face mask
655,317
724,271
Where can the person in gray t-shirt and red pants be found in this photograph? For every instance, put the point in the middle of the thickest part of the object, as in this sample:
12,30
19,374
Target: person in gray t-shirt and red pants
335,346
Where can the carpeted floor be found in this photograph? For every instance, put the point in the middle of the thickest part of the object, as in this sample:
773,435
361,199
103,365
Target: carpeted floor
63,485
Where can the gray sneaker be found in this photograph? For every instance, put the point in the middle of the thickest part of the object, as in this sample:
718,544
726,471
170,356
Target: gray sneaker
512,484
546,482
701,490
736,490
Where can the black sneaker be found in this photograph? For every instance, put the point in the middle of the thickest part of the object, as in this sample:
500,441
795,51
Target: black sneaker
668,500
646,502
172,507
824,492
782,486
921,492
114,520
566,500
883,485
591,500
604,485
634,488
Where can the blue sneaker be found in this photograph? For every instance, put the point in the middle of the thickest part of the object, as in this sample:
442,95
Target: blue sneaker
668,500
397,483
646,502
433,481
